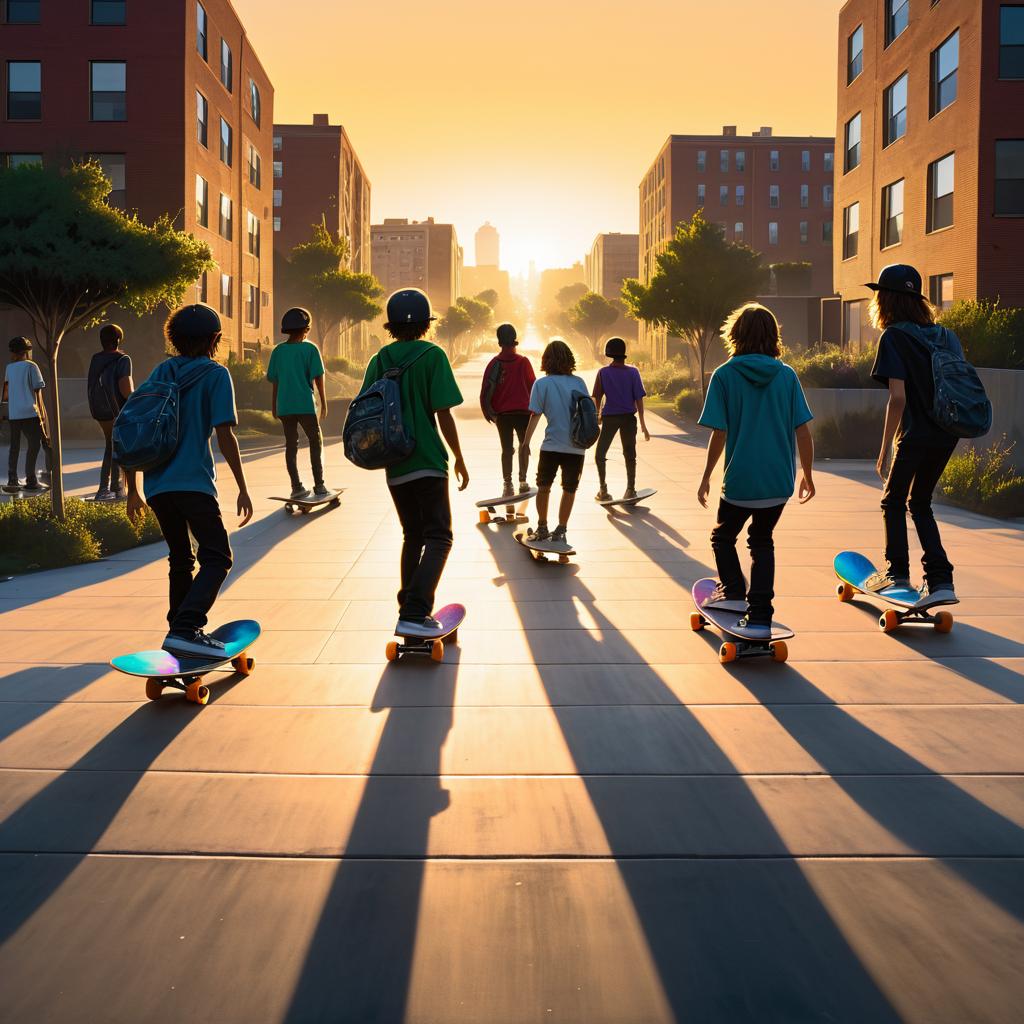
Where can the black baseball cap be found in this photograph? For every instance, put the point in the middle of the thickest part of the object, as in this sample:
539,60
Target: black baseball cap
898,277
19,345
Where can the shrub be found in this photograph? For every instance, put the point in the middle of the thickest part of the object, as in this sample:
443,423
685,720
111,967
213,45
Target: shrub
259,420
984,481
339,364
689,403
992,335
667,380
829,366
252,389
110,526
856,435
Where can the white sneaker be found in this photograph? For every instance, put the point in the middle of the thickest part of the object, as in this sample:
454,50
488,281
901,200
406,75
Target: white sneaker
944,595
428,629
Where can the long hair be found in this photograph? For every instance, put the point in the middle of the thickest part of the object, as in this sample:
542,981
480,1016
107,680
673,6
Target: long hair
888,308
752,330
558,358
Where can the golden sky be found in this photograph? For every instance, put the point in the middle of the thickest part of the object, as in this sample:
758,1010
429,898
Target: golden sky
540,116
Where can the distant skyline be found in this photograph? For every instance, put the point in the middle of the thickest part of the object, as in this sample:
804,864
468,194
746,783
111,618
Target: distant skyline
540,118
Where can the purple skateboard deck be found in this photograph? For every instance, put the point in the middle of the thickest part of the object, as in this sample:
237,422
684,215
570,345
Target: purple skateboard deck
742,644
451,616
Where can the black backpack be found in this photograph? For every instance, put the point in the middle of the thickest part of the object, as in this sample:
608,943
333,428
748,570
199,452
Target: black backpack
104,401
583,425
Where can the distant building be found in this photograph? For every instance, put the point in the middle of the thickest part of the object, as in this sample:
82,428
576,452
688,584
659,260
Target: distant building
418,254
479,279
930,150
318,178
552,281
488,246
612,259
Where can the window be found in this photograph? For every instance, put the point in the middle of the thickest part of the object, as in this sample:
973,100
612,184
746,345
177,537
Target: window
202,201
738,231
702,160
203,288
852,143
1010,178
22,12
252,306
897,17
252,244
805,160
940,193
940,290
277,143
278,169
723,195
701,191
20,159
826,195
226,295
826,232
24,90
804,232
108,90
255,168
225,142
741,194
855,54
773,196
1011,41
851,231
723,161
108,12
278,197
277,223
892,214
773,232
202,119
773,160
741,160
945,61
225,65
895,103
851,323
113,165
828,161
255,103
805,196
227,217
201,30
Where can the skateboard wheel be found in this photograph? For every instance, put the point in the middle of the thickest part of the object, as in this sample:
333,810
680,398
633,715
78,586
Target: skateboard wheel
485,516
697,621
888,621
453,637
197,693
563,559
943,622
780,652
437,650
154,689
844,592
727,652
243,665
391,651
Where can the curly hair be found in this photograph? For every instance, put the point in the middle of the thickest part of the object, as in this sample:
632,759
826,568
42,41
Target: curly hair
558,358
752,329
888,308
408,332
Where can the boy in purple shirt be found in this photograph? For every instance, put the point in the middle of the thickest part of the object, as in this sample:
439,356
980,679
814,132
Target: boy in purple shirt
623,393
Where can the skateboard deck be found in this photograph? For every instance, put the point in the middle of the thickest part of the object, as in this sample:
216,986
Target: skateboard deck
489,507
740,645
853,570
540,549
451,616
20,492
306,505
647,492
161,669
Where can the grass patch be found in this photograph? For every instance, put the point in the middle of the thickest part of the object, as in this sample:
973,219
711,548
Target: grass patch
984,481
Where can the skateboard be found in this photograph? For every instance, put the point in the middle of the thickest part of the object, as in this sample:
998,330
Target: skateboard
647,492
853,570
20,492
740,646
540,549
488,509
451,616
161,670
306,505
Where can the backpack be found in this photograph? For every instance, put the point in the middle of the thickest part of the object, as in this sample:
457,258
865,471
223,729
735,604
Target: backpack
147,428
375,436
583,425
103,395
960,405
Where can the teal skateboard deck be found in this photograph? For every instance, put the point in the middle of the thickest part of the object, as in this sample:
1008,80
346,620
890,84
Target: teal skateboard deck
489,507
451,616
647,492
540,549
306,505
738,643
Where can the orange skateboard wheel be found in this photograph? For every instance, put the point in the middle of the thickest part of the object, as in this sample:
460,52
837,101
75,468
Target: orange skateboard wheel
243,664
154,689
780,651
697,621
727,652
437,650
943,622
198,693
391,651
888,621
844,592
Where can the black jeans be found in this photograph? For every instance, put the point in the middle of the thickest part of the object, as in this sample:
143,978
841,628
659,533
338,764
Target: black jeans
512,425
311,427
610,426
912,478
731,519
426,517
33,431
179,512
110,470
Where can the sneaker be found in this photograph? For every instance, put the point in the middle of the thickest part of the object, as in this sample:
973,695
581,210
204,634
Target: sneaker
193,645
721,600
12,487
630,494
524,486
33,486
507,490
542,533
753,630
299,493
558,535
603,495
321,491
120,495
942,594
884,580
103,494
427,629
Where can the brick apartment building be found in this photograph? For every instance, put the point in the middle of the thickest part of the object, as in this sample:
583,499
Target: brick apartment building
930,149
318,177
173,102
418,254
772,192
612,259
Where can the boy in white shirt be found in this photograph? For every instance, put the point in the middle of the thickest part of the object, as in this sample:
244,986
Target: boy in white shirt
23,391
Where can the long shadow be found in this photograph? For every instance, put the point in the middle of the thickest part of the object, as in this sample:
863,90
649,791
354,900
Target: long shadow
19,710
641,526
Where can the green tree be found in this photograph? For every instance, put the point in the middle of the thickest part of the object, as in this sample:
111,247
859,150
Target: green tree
66,256
592,315
453,325
571,294
490,296
701,278
479,313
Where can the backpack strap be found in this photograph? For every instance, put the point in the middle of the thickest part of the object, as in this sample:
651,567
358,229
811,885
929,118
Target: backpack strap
195,375
396,371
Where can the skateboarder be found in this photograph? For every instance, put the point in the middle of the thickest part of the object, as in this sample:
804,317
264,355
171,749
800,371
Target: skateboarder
552,398
295,367
23,392
505,401
110,384
419,484
182,491
622,390
754,407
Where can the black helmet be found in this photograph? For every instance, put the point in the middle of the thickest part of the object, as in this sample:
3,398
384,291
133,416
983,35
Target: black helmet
409,306
615,348
295,320
506,335
195,321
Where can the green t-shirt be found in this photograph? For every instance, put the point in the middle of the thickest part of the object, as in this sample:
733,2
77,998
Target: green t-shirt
427,387
294,365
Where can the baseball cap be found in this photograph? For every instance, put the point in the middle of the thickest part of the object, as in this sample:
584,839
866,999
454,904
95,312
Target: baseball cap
19,344
898,277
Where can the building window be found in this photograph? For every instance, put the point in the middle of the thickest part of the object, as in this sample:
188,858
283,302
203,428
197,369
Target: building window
278,169
13,160
773,196
945,61
852,324
852,144
805,160
277,143
773,232
828,161
202,201
226,69
773,160
278,198
201,30
252,306
108,12
804,232
826,195
741,160
225,142
723,161
701,191
851,231
723,195
108,80
22,12
741,194
1010,178
202,119
255,103
892,214
702,160
897,17
203,288
1011,41
227,295
826,232
805,196
738,231
255,168
252,243
113,165
227,217
895,109
855,54
940,193
940,290
277,223
24,90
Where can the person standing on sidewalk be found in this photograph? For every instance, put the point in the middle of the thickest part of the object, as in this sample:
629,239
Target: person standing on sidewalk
622,390
110,384
23,392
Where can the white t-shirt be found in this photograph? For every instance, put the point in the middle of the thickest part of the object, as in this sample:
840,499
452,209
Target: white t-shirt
23,381
551,397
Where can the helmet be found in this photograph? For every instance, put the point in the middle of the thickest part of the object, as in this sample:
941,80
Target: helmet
409,306
615,348
506,335
19,344
295,320
196,321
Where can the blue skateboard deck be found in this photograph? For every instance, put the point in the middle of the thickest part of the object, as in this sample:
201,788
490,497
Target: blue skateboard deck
161,669
742,644
451,616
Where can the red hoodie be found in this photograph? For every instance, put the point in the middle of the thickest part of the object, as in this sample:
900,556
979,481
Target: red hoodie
514,378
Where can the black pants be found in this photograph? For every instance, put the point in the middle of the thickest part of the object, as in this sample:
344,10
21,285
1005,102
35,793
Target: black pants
110,470
912,478
191,599
550,463
33,431
426,517
512,425
731,519
311,427
610,426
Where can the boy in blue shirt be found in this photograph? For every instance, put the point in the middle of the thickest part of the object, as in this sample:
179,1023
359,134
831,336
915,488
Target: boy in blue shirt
754,408
182,492
23,390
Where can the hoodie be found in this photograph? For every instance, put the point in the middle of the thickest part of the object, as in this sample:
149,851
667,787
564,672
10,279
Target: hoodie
757,400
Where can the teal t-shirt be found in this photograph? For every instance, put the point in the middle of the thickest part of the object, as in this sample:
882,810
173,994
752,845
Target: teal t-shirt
293,367
427,386
758,402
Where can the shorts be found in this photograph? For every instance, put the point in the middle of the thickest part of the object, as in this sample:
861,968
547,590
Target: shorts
570,464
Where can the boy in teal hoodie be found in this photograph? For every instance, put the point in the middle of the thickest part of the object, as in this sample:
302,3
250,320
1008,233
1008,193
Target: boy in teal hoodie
754,408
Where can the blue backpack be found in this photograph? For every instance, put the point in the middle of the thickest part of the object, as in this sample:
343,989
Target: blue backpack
147,428
584,427
375,436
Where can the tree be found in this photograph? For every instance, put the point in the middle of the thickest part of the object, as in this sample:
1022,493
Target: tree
453,324
66,256
480,314
490,296
592,315
570,294
701,278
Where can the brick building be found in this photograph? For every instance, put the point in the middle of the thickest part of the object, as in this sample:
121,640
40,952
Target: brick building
930,148
418,254
612,259
174,103
318,178
772,192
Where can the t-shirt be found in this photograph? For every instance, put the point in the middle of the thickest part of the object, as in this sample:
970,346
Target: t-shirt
622,387
205,405
515,378
552,398
900,357
98,366
758,402
427,387
23,381
294,365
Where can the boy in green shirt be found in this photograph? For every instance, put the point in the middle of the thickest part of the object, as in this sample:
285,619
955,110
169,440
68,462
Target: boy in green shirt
295,366
419,484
